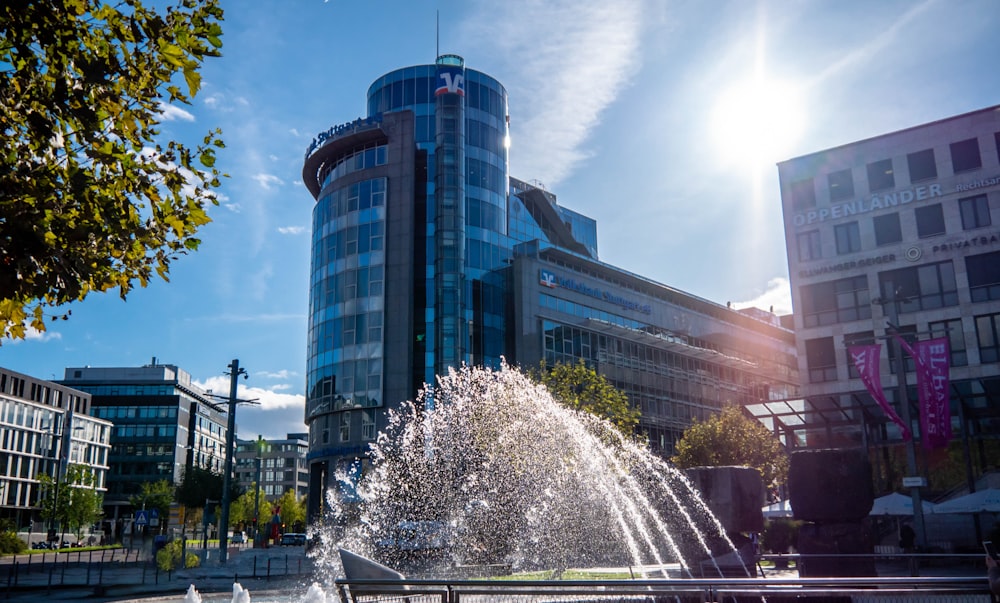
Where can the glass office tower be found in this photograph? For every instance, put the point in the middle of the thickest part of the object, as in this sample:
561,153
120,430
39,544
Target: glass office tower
410,224
427,254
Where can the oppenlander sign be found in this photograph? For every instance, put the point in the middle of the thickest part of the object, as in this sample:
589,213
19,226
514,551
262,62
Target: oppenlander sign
861,206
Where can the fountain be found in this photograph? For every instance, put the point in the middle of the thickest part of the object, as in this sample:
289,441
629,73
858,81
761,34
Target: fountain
486,470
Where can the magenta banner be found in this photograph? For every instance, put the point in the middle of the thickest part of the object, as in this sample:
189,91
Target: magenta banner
932,360
866,360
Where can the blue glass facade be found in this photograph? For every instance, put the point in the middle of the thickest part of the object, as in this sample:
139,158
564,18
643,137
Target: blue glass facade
464,325
427,254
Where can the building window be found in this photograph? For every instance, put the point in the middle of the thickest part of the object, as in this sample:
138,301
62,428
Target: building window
368,425
984,276
803,194
837,301
848,238
880,175
922,165
965,155
841,185
821,360
887,229
930,220
860,338
345,426
996,139
921,287
952,329
975,212
989,337
809,246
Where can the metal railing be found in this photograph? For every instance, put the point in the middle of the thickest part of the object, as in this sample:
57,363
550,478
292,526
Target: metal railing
937,589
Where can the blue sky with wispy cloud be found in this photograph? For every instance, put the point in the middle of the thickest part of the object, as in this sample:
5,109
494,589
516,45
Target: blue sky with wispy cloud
661,119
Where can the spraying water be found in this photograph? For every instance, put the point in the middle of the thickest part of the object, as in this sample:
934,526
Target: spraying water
499,473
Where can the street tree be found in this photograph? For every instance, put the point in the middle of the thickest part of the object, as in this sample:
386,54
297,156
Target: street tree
72,502
581,388
154,495
92,197
293,509
242,508
732,438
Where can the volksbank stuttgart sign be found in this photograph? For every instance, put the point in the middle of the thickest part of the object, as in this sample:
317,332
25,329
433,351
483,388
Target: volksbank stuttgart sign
552,280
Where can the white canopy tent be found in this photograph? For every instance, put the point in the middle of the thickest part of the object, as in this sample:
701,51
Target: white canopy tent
898,504
778,509
981,501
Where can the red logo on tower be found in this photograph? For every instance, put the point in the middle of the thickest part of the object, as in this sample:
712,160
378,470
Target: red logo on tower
450,80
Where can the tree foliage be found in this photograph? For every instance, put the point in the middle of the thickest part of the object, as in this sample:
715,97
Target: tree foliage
154,495
242,508
731,438
293,508
581,388
77,503
91,199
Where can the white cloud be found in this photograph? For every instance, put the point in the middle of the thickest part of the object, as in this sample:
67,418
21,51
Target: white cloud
273,157
31,334
282,374
585,63
266,399
266,181
777,295
292,230
173,113
233,207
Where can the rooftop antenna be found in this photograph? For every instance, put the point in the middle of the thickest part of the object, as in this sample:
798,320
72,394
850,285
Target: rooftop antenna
437,34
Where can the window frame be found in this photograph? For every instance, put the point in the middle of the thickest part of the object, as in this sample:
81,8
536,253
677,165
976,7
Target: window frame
975,212
922,214
821,349
963,159
923,164
840,184
878,223
847,237
811,243
880,178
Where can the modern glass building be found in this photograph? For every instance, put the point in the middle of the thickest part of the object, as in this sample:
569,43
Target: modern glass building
162,423
44,428
417,231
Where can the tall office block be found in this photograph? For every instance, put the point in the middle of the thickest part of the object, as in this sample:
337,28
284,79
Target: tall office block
426,254
163,423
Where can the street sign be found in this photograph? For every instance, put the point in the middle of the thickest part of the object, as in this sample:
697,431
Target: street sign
914,482
154,517
141,518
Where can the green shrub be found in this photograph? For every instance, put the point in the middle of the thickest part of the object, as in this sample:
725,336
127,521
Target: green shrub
169,557
10,543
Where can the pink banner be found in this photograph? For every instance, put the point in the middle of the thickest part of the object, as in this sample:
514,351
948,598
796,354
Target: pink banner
866,360
932,359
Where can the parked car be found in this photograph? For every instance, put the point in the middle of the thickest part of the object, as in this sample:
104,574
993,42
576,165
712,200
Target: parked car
237,538
293,539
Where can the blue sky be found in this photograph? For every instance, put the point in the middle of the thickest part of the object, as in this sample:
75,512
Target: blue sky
662,120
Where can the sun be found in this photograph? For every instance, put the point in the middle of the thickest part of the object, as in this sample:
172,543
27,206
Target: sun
756,122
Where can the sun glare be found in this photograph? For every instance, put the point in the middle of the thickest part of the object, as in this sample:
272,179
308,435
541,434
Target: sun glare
755,123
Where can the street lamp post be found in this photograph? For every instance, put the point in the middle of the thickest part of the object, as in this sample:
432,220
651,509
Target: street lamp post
256,497
234,374
892,306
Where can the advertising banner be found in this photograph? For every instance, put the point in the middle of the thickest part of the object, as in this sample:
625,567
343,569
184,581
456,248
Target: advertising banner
932,360
866,360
